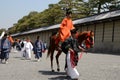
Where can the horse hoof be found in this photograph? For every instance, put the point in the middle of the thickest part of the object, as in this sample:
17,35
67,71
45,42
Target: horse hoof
58,70
53,70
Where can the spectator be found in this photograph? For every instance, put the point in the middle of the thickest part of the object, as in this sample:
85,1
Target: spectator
38,48
5,49
28,47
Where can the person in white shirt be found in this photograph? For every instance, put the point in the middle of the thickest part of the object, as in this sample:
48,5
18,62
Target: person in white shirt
28,47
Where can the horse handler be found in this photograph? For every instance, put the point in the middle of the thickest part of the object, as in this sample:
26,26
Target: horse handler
71,48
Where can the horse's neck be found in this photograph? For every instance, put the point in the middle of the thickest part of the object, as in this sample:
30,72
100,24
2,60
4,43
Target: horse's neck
53,37
82,37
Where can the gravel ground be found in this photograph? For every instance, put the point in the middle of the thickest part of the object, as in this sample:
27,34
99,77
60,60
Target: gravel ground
92,66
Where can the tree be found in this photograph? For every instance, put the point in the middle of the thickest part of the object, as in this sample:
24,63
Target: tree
56,12
76,5
98,6
1,30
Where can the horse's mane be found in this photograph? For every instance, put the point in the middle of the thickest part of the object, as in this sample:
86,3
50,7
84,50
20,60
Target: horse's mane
81,36
84,32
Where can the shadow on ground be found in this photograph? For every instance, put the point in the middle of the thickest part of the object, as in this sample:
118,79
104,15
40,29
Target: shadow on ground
60,75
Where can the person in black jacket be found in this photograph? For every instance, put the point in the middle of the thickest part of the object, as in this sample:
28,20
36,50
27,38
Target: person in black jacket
71,48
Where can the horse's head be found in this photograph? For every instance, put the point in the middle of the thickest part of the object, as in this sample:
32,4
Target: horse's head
90,39
86,39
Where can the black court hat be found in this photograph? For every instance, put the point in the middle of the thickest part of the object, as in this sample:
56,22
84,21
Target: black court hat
68,11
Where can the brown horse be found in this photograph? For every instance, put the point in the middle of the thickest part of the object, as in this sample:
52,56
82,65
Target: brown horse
86,37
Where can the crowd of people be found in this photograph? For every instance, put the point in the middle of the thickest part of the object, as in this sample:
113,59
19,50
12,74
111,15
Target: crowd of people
25,46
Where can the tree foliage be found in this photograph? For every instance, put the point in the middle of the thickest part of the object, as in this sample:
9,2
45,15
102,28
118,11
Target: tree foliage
1,30
56,12
98,6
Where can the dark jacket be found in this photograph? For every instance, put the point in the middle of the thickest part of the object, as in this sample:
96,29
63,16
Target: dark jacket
5,45
73,44
38,46
70,43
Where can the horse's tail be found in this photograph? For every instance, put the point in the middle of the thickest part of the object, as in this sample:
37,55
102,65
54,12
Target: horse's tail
49,48
51,44
48,53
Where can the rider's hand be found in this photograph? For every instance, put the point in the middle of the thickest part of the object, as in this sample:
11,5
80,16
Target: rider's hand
71,50
81,48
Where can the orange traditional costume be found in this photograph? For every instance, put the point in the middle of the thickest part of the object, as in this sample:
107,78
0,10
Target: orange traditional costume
65,28
64,34
11,39
64,31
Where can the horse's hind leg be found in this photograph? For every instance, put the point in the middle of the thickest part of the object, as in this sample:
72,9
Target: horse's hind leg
57,61
51,59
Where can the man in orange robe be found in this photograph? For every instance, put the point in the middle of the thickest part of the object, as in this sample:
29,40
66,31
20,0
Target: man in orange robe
65,27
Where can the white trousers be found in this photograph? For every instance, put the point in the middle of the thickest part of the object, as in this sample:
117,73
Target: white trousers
72,72
28,53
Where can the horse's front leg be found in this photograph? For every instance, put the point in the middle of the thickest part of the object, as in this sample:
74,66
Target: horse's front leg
57,60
